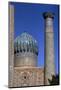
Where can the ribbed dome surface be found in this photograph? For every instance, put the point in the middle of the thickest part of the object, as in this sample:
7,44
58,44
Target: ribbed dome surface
25,43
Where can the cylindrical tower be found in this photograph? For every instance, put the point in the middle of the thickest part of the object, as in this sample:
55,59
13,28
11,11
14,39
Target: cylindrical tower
11,45
26,51
49,47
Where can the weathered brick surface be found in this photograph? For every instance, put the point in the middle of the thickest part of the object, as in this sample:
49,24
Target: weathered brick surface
49,50
25,59
11,45
28,76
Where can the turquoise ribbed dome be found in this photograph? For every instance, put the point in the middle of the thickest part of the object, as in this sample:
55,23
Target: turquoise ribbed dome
25,43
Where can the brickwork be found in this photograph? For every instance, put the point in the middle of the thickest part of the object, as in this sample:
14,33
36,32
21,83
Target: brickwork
11,45
28,76
49,47
26,59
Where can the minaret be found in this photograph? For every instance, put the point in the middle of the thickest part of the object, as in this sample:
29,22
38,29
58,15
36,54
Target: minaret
49,47
11,45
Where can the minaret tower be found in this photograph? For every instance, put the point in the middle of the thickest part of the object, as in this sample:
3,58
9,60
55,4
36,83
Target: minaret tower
11,45
49,47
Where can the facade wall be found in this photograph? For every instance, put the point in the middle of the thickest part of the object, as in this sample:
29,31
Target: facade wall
28,77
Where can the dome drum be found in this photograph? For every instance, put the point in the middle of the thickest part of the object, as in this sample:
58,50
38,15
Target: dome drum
25,60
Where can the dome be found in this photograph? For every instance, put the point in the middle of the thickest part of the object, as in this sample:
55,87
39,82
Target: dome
25,43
